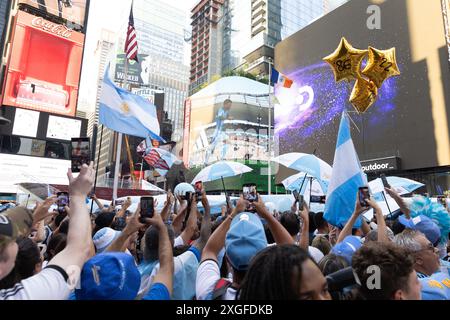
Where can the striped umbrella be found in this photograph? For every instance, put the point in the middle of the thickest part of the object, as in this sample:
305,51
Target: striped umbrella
299,181
307,163
400,185
220,170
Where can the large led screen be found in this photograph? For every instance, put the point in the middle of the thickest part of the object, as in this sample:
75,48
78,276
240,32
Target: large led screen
411,117
227,121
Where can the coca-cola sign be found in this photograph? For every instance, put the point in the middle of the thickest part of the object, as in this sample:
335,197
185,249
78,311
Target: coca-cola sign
48,26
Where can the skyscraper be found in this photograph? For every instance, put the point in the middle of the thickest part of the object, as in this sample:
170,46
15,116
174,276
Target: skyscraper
232,34
207,39
160,34
105,47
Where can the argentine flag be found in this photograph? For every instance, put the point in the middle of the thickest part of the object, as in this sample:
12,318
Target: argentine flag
127,113
346,178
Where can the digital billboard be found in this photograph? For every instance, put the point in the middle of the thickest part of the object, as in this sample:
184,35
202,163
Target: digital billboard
409,121
44,66
70,11
227,124
137,72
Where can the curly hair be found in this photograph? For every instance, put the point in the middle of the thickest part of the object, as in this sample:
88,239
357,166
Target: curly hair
274,274
395,266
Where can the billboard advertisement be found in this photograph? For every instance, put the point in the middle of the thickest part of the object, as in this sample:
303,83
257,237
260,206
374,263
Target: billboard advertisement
71,12
138,73
409,121
44,66
226,126
147,93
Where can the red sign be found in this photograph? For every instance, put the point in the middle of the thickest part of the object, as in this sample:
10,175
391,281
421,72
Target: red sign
57,29
44,66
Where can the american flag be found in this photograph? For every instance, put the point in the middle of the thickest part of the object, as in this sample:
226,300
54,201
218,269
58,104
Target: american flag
153,158
131,46
140,149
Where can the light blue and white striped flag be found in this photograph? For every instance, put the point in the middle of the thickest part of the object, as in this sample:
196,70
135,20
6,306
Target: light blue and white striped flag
346,178
127,113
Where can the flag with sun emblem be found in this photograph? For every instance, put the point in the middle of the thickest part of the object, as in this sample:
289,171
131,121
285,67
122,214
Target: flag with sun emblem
127,113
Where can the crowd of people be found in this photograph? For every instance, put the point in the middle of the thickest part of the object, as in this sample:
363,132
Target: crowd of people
183,253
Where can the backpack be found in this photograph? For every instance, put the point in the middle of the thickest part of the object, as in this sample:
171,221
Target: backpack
220,289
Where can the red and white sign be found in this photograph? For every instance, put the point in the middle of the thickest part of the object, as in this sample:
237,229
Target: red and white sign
51,27
44,66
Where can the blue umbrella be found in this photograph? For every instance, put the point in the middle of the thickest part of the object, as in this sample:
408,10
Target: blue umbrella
296,182
400,185
307,163
220,170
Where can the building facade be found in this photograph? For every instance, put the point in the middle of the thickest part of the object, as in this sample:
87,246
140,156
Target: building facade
105,47
248,31
207,38
160,33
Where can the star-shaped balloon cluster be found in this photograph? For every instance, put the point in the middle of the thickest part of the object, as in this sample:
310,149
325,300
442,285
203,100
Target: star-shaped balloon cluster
346,62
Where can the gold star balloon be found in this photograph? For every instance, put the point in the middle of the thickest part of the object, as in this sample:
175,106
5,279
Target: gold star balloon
381,65
364,94
345,61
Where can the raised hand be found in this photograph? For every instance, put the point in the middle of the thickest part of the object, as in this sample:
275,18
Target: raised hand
41,210
241,205
81,185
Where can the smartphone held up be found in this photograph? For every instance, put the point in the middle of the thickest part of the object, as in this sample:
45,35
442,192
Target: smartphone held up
80,153
363,195
198,190
384,180
250,194
147,208
62,200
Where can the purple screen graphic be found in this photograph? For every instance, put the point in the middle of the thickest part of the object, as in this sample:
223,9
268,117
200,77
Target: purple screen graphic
306,112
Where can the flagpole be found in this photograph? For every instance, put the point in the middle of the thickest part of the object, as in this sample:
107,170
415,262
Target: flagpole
131,163
269,179
119,138
96,170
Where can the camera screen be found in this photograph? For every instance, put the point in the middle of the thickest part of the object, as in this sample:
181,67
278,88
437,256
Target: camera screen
80,153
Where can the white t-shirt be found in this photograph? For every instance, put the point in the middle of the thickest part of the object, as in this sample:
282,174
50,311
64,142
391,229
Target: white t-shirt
185,272
208,274
49,284
178,242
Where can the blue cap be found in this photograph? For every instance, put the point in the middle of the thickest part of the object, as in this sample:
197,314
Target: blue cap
244,240
436,287
347,248
109,276
423,224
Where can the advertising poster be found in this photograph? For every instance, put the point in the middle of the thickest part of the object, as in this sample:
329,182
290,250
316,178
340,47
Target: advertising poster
44,66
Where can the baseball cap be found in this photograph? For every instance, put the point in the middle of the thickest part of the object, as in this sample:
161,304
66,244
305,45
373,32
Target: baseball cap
244,240
423,224
347,248
109,276
315,253
104,237
16,222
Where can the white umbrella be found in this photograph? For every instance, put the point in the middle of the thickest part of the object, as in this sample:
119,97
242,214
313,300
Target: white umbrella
307,163
220,170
